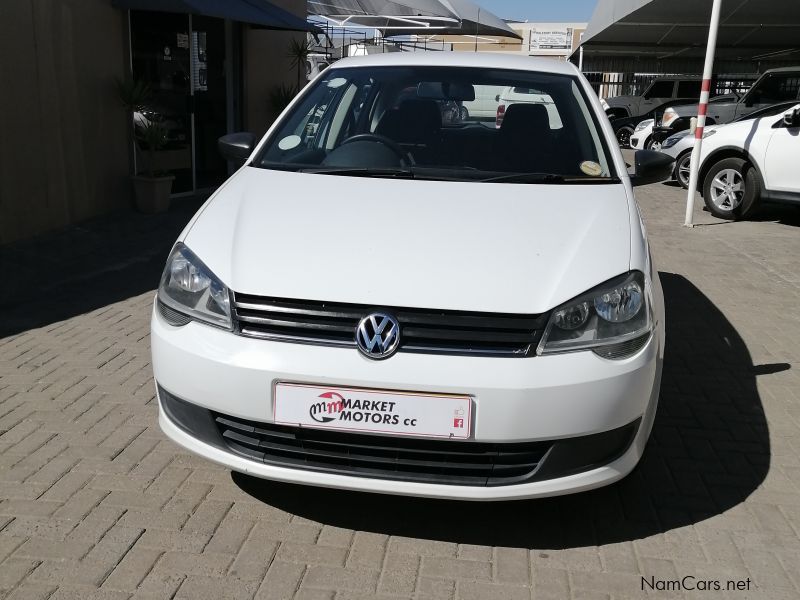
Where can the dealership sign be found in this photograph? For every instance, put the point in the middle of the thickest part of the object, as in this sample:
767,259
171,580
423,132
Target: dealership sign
373,411
554,38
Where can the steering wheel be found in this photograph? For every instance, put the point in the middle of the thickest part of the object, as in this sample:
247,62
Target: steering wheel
381,139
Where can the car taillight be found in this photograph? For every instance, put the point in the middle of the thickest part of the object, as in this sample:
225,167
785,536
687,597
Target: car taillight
501,112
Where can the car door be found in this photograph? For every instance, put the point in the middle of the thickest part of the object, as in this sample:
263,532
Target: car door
658,93
780,161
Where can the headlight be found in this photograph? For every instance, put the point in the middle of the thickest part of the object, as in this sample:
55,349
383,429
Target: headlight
644,124
708,133
671,141
668,118
614,320
189,287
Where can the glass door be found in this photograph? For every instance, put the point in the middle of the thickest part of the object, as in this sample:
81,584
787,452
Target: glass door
182,59
160,57
210,100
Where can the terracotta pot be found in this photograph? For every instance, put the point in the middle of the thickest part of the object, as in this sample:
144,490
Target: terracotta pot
152,193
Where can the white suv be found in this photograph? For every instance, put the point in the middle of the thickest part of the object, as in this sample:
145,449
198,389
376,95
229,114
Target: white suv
745,163
389,303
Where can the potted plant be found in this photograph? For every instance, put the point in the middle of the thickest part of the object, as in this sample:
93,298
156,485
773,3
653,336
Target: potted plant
151,188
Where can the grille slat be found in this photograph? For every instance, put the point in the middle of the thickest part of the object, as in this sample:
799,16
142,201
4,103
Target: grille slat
421,330
400,458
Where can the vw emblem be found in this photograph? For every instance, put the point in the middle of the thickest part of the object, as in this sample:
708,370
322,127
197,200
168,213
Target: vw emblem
378,335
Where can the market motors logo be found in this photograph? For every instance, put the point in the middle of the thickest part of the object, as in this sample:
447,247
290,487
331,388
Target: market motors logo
324,412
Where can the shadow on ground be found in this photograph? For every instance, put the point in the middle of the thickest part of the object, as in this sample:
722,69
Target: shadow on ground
81,268
708,452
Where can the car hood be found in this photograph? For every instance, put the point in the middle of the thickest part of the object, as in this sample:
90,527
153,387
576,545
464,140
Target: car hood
429,244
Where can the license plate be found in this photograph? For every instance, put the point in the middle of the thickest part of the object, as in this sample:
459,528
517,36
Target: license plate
373,411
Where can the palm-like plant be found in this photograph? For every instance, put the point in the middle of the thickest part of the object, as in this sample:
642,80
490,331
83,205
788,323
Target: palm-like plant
280,96
298,52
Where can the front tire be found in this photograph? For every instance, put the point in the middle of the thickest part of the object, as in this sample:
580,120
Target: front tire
682,166
624,134
731,189
651,144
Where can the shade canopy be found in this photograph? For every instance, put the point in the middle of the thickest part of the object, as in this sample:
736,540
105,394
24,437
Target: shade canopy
419,17
255,12
749,29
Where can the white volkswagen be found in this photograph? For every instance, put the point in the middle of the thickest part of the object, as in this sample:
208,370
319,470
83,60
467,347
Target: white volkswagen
380,301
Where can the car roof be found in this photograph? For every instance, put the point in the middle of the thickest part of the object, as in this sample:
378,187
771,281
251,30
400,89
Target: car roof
784,70
678,78
488,60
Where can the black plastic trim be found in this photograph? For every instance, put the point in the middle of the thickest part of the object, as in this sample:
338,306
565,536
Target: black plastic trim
483,464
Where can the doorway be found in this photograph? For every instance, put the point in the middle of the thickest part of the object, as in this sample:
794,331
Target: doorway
185,59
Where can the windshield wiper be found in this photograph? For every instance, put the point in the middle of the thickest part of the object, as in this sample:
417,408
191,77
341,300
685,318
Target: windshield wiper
543,178
362,172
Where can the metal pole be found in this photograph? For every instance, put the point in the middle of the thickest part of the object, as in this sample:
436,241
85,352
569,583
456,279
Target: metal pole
702,110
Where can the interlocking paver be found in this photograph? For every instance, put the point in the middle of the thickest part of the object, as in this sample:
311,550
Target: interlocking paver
96,503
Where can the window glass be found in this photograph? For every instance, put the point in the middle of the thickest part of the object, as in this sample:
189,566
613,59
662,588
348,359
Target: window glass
689,89
775,88
660,89
419,118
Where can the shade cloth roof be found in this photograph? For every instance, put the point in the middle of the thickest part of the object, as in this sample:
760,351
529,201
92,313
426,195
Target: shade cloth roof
405,17
255,12
749,29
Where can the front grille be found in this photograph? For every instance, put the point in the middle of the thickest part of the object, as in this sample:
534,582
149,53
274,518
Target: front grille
384,457
421,330
399,458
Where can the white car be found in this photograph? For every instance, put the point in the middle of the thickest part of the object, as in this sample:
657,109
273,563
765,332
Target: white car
642,137
386,305
749,162
484,106
680,145
522,95
316,64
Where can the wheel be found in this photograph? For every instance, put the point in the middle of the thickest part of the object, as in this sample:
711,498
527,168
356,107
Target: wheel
624,134
651,144
464,113
731,189
682,165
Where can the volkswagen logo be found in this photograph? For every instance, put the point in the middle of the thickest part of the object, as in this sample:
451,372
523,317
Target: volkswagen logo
378,335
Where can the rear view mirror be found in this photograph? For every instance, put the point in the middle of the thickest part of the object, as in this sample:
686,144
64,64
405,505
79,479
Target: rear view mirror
446,90
792,119
651,167
237,147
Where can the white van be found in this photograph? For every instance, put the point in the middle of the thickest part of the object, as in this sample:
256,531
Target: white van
484,107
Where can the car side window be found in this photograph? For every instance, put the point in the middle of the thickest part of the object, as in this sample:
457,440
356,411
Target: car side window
660,89
776,88
689,89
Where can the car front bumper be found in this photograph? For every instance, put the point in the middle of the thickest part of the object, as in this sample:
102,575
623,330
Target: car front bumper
545,399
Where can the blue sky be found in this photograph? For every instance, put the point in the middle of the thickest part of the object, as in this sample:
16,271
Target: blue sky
541,10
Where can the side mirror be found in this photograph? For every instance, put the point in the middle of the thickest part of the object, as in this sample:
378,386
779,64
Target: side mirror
651,167
792,119
237,147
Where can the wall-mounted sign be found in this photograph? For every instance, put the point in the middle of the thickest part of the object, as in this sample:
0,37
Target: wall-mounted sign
551,39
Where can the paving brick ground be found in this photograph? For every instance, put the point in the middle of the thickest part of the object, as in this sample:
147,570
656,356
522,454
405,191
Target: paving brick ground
96,504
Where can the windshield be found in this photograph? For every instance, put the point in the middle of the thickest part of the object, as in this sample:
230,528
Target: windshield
449,123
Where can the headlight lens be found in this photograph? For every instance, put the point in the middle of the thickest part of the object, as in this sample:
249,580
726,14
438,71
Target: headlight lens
671,141
606,319
189,287
708,133
668,118
645,124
